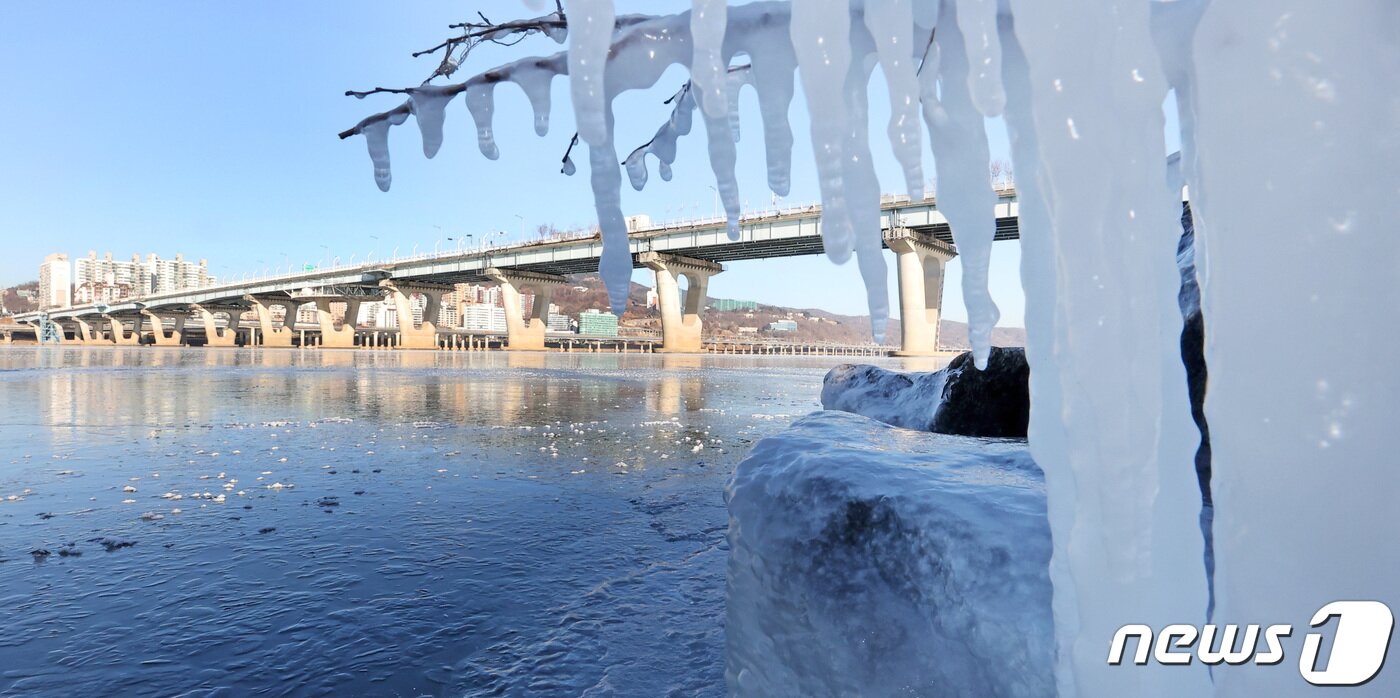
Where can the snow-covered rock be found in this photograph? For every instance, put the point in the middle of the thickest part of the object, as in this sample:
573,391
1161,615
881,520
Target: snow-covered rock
958,399
868,560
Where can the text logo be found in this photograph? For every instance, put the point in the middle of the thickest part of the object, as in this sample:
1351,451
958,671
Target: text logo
1360,641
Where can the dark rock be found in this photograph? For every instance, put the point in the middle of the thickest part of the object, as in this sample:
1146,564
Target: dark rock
994,402
958,399
268,529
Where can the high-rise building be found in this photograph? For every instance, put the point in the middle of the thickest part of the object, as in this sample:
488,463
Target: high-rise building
168,275
107,280
55,282
597,323
556,321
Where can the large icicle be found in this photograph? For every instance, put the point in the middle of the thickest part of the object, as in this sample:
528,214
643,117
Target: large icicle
1039,281
376,133
820,32
977,20
723,154
708,20
429,105
1127,542
961,158
863,187
481,102
891,25
590,39
765,40
1298,130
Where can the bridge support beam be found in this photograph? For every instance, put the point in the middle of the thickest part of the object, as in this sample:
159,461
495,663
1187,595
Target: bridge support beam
213,336
525,333
274,334
84,333
921,259
680,318
158,335
421,335
120,336
332,338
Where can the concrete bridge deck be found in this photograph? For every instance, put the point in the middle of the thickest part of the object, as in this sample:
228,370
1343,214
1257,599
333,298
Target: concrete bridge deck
915,230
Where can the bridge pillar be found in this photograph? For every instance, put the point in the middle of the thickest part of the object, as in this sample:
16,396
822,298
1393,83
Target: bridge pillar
680,318
420,335
921,259
120,336
161,339
82,332
524,333
213,336
332,338
273,334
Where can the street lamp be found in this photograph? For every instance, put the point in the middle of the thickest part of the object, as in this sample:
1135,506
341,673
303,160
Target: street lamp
716,191
522,226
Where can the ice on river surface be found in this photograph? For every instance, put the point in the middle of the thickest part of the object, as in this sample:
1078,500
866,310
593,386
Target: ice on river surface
415,523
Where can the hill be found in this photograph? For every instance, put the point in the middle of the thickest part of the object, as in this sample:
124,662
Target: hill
586,291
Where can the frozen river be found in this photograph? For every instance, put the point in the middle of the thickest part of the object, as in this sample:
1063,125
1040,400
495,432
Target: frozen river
383,523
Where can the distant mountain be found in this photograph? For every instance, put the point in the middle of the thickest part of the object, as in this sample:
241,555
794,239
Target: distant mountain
586,291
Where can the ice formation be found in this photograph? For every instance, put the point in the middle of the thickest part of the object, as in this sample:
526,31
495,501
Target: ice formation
1289,152
860,569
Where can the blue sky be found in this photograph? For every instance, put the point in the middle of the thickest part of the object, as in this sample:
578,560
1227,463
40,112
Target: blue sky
209,128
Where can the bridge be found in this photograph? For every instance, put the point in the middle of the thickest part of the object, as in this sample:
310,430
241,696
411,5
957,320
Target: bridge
915,231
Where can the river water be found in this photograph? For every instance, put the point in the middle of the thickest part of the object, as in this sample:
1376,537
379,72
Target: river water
280,522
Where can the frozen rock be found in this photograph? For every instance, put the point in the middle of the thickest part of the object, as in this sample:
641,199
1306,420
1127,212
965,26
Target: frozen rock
865,560
958,399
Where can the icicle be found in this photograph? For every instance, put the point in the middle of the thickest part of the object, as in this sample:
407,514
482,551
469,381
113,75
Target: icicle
481,101
770,53
590,39
891,24
1297,171
960,156
1038,279
376,133
925,15
977,19
708,20
735,82
535,84
429,106
663,144
820,32
1120,462
615,265
863,187
722,159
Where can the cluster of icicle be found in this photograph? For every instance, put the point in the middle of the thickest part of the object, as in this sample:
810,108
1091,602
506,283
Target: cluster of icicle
1289,88
834,46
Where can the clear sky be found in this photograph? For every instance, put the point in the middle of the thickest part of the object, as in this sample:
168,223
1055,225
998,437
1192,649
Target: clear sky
208,128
